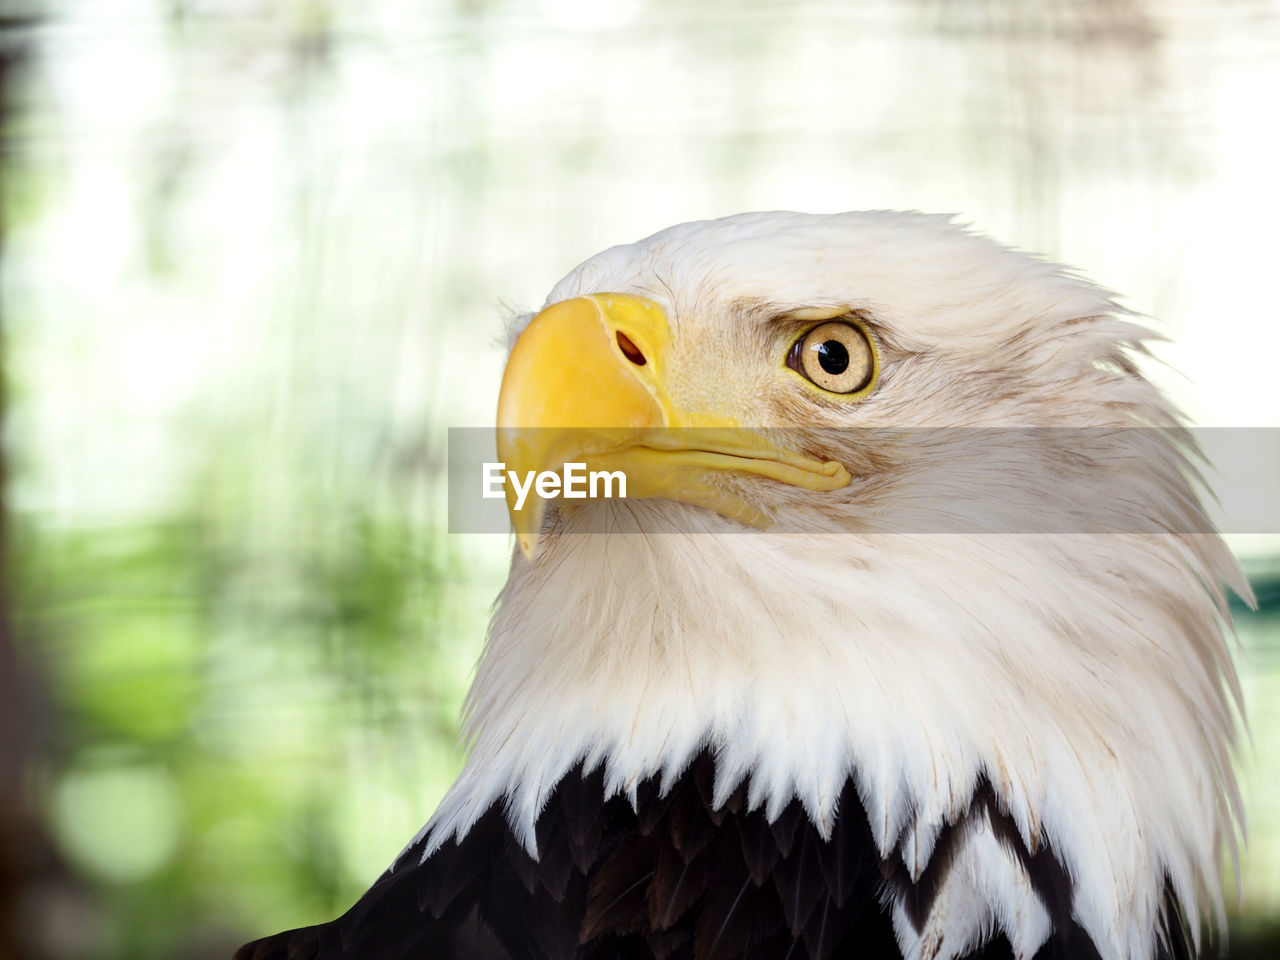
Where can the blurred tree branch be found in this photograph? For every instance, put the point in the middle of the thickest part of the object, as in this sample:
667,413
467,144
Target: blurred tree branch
25,854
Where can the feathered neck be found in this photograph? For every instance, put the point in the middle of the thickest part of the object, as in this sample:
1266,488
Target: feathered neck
1081,676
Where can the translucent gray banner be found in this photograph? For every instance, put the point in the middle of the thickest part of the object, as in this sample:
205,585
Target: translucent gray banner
936,480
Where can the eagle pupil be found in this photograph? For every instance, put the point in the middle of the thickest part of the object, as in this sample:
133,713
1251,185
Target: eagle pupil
834,357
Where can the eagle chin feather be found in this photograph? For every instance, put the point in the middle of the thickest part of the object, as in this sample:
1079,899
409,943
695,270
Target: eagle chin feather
851,736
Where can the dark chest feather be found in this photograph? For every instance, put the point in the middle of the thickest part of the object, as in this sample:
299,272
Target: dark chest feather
672,879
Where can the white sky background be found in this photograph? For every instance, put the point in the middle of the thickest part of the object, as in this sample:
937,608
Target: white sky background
278,238
370,205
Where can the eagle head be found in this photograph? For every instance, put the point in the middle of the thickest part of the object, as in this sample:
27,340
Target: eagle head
911,606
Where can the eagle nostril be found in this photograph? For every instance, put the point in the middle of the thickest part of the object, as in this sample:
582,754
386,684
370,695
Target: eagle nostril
630,350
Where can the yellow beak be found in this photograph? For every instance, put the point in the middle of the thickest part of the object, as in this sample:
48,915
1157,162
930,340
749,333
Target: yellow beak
586,383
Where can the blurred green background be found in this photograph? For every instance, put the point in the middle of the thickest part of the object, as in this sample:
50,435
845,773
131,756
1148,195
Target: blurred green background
256,258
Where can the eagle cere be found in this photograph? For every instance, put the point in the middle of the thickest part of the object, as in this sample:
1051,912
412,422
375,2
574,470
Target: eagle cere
829,737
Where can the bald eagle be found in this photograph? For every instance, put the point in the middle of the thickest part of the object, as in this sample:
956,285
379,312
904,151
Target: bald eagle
772,704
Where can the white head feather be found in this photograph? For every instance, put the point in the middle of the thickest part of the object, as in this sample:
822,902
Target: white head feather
1085,675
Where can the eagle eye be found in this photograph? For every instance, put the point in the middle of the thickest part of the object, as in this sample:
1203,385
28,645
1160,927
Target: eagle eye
836,355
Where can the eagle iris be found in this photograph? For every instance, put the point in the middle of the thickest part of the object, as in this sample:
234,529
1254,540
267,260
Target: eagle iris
836,356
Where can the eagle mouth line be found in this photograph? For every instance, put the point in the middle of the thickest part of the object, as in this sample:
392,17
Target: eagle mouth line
718,450
786,466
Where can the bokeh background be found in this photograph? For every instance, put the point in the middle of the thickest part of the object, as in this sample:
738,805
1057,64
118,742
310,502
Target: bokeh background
256,258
